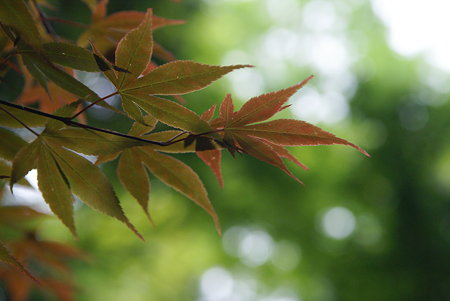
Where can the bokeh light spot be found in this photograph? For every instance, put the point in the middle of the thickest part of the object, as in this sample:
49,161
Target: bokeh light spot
338,222
255,248
216,284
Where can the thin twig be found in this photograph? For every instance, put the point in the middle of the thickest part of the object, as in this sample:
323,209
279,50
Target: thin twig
68,121
77,24
19,121
176,136
93,103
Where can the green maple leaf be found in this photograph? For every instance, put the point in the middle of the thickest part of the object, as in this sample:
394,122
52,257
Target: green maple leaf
169,170
62,172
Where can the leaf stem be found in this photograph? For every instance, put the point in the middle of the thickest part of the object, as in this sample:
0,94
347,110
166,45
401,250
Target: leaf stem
176,136
19,121
93,104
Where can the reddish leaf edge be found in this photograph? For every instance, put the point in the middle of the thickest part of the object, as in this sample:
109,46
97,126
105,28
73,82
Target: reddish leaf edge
18,265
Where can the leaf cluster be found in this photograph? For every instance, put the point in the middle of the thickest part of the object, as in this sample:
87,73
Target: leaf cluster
122,48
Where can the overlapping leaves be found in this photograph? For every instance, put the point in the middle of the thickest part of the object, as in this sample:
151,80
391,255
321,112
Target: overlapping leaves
107,31
142,86
37,253
62,173
267,141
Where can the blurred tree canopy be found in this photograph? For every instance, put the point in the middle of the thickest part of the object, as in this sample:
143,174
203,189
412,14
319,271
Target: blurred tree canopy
359,229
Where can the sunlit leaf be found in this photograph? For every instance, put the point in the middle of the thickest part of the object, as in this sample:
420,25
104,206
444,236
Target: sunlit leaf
178,77
5,175
90,185
132,175
24,161
62,79
134,50
290,132
59,169
226,109
36,72
264,152
55,188
264,106
170,113
146,126
181,177
108,69
88,141
74,57
212,158
30,119
284,153
209,114
10,144
133,111
48,100
106,32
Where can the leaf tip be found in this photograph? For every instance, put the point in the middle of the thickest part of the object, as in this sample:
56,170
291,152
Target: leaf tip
135,231
217,225
362,151
242,66
150,219
73,232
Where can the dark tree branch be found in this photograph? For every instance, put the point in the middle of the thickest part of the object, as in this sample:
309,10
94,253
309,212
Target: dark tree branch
68,121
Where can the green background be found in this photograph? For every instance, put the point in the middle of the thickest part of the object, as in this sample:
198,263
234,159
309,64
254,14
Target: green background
359,229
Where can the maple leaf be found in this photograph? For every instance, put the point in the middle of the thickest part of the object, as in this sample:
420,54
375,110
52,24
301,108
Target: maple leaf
133,53
62,172
266,141
49,101
46,63
169,170
31,120
10,215
6,257
213,157
35,252
44,71
10,144
264,106
16,14
106,31
178,77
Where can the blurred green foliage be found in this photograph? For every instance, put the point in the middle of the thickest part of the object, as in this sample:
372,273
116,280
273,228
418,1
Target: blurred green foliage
359,229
